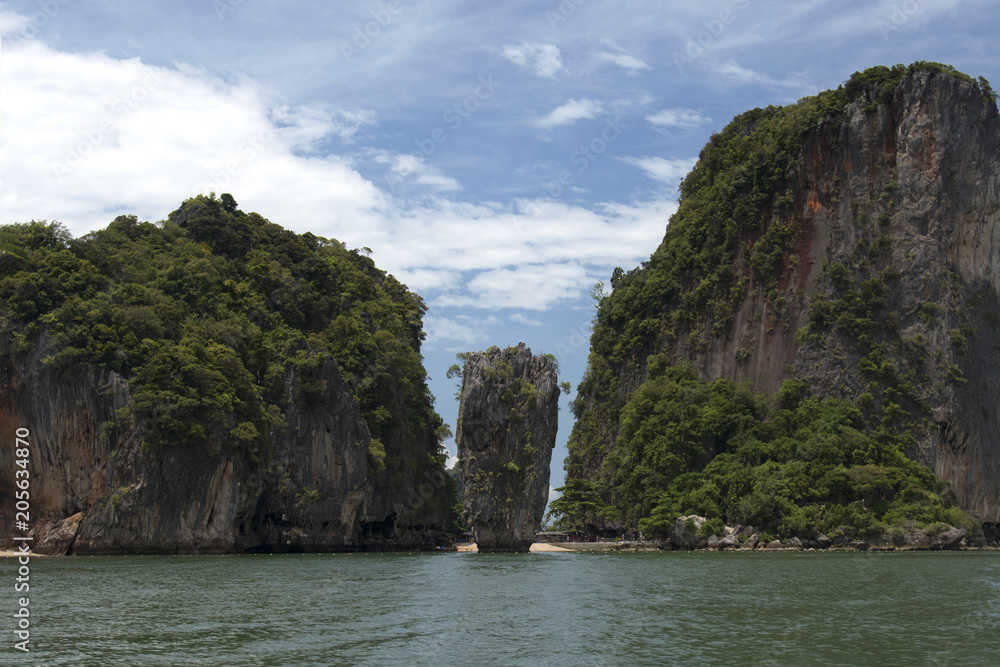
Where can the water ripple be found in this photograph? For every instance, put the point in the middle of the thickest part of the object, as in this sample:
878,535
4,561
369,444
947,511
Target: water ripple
517,609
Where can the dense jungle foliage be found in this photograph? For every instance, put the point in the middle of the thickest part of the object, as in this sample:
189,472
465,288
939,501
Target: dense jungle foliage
219,319
643,452
793,464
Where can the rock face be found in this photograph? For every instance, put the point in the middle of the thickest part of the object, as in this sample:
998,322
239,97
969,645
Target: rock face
214,383
95,489
506,431
898,194
924,170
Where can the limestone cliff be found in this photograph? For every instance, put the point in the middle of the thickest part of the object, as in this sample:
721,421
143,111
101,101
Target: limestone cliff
912,184
214,384
866,264
96,490
921,177
506,431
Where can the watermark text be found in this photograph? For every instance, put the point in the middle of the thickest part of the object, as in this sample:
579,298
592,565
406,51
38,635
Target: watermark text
22,521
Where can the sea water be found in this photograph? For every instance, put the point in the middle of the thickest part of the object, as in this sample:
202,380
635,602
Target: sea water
703,608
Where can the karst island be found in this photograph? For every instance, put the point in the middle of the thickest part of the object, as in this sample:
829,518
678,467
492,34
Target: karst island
808,360
506,431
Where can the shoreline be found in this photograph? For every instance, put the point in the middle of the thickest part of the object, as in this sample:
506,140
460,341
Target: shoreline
536,547
606,547
11,553
666,546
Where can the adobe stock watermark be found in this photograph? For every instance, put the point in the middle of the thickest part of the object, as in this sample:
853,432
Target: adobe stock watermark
456,115
122,107
22,521
433,486
364,35
577,339
248,150
225,7
581,158
696,46
901,13
562,12
38,20
454,118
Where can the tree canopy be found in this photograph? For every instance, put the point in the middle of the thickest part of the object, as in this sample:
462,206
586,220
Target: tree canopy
210,314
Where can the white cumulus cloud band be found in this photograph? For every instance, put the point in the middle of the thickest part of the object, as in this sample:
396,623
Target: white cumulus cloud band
92,137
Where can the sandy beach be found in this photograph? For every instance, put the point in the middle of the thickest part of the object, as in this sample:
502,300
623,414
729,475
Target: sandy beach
15,554
537,547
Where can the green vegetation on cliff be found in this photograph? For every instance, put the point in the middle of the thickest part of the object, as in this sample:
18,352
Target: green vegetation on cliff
794,464
736,202
652,441
219,319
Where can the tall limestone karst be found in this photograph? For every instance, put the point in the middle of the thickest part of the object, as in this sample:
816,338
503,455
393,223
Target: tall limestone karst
211,384
506,431
842,254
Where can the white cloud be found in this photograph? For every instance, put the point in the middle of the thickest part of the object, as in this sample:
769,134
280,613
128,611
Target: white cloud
628,62
413,170
91,134
529,286
521,318
466,330
569,112
733,70
12,23
680,117
555,243
434,279
666,171
305,126
543,60
92,137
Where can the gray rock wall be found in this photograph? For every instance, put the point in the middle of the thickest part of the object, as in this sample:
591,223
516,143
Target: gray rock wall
921,175
506,431
924,172
96,490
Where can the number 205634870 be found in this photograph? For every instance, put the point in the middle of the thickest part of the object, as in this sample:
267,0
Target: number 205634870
22,505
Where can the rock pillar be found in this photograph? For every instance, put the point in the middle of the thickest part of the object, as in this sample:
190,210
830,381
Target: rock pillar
506,431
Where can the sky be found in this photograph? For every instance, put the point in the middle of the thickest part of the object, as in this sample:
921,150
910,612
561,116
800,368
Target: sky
498,158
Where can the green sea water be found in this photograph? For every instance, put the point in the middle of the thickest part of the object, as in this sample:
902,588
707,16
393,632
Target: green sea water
519,609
